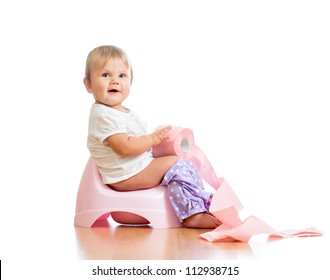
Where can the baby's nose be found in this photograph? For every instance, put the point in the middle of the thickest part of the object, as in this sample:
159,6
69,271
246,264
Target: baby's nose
114,81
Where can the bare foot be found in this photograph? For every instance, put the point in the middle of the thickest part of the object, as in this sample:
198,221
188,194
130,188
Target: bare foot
201,220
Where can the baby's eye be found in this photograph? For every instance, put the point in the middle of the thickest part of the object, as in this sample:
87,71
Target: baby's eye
122,76
105,75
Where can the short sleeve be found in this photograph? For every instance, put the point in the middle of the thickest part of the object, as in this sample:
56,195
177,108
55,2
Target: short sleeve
104,124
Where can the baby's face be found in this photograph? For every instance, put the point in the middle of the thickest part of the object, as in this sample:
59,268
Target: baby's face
110,84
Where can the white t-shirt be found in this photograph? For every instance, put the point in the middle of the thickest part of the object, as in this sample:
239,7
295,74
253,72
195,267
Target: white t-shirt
104,122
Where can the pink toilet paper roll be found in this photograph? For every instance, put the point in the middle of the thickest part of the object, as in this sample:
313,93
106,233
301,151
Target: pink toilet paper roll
181,142
225,204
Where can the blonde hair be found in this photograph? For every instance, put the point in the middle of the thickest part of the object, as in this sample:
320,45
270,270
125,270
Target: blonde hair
102,54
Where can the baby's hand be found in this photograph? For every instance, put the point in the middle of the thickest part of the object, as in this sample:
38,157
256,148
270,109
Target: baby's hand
160,135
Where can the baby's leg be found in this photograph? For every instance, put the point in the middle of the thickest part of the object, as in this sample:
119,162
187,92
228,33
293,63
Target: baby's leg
149,177
188,196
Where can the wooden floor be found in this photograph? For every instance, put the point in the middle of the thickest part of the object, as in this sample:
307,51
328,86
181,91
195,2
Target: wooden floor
111,241
41,248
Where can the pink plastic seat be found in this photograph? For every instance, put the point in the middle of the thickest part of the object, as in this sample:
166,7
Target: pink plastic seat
97,201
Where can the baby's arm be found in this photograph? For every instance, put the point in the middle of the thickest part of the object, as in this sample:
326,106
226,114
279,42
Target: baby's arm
126,145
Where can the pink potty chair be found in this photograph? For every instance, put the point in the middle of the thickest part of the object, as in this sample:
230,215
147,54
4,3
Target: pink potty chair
96,201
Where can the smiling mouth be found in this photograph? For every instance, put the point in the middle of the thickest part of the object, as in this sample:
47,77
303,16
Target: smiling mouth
113,90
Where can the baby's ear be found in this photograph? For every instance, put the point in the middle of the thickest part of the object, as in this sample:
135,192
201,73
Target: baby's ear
87,84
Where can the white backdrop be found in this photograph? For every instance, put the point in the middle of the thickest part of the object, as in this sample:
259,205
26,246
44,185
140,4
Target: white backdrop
251,79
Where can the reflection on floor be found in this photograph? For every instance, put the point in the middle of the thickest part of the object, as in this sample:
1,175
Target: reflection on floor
108,240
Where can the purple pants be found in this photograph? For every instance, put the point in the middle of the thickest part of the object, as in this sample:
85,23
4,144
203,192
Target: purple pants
186,190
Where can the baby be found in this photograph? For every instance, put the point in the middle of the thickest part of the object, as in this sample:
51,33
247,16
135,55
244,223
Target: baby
118,142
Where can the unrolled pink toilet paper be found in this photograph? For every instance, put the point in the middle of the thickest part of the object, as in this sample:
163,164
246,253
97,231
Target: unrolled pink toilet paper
225,204
226,207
